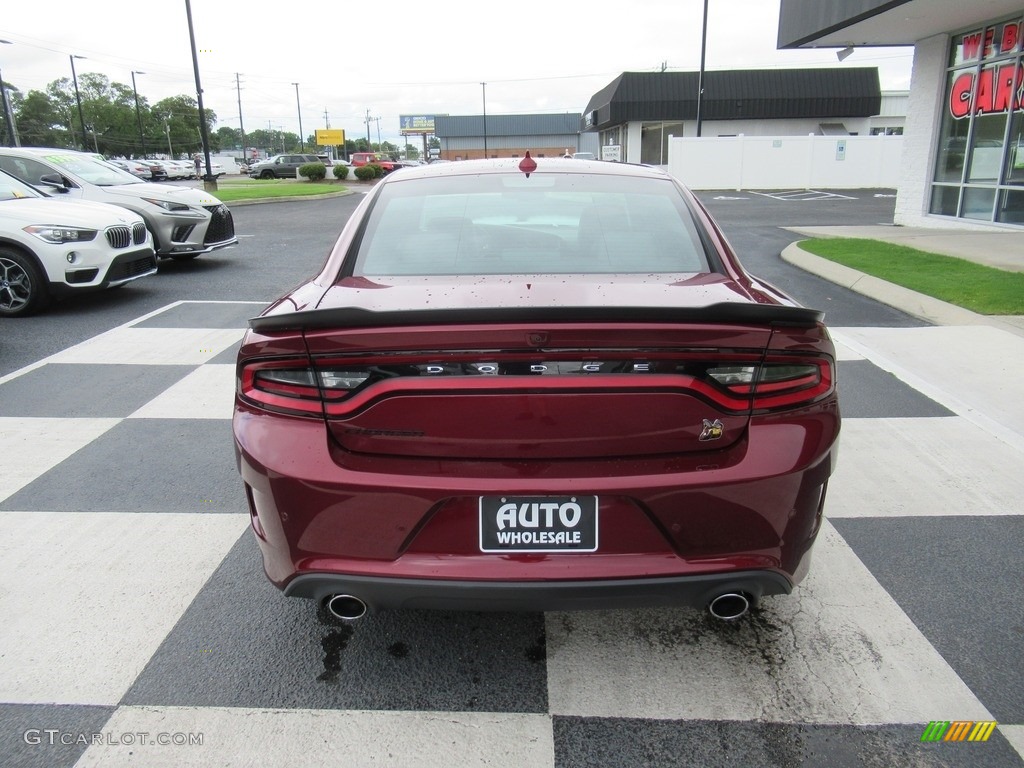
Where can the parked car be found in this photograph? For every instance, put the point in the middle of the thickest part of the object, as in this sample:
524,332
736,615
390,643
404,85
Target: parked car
156,170
51,248
165,171
135,168
183,221
535,385
184,169
375,158
178,169
281,166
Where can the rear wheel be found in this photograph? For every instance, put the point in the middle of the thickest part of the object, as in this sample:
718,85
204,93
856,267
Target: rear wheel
23,289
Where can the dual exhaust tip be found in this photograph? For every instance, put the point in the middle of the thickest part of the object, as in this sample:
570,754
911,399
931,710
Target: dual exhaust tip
730,606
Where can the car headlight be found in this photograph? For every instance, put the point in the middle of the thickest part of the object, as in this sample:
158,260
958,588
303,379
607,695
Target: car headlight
58,235
167,205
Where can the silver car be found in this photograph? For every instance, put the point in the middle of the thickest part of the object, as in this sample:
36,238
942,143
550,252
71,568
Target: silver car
185,222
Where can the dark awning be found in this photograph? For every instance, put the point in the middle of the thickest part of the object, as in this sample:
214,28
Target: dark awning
756,94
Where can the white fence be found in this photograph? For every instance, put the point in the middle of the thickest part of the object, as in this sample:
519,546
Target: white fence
786,162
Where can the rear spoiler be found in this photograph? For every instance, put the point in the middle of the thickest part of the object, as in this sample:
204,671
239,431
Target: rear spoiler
356,317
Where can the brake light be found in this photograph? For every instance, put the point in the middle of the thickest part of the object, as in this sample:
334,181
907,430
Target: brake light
777,383
338,387
285,387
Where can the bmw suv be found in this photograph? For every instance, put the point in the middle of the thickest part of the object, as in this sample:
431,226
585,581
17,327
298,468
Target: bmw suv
51,248
184,222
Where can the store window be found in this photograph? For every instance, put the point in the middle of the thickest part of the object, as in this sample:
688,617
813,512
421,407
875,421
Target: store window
654,141
980,156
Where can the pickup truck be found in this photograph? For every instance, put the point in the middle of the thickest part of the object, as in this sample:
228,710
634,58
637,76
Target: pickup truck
375,158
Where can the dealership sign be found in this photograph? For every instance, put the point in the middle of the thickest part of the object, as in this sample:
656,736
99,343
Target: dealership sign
996,88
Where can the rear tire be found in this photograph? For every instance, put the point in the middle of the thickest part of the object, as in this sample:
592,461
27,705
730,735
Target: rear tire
23,289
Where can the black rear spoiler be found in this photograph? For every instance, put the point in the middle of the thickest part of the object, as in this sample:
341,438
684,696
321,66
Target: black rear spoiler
356,317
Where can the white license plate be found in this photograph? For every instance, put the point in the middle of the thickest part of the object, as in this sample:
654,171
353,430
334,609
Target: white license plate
538,524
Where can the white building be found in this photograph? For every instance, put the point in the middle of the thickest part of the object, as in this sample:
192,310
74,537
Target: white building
963,149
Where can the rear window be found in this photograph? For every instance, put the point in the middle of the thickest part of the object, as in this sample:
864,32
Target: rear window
545,224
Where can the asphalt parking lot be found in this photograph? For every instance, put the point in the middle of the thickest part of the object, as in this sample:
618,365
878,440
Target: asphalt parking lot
139,629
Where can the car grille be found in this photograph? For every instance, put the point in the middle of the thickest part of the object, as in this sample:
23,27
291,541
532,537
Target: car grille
130,266
222,224
139,233
119,237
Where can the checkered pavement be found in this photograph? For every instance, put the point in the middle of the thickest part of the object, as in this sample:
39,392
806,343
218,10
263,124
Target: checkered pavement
135,620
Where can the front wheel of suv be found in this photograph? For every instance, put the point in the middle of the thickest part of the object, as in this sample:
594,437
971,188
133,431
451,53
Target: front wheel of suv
267,175
23,289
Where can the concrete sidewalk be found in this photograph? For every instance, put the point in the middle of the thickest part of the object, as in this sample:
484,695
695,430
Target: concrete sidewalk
1002,250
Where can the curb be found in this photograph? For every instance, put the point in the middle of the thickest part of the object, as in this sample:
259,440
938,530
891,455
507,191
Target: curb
913,303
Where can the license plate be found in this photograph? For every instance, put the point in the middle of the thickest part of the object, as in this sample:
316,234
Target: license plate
538,523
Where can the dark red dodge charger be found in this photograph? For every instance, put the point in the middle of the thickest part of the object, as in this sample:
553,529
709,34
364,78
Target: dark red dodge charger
535,385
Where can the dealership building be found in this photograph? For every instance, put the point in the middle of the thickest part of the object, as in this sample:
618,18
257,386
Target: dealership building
963,147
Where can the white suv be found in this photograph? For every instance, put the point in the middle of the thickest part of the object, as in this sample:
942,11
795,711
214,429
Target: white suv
51,248
185,222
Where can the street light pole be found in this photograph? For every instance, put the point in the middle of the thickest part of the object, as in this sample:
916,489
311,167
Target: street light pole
700,77
209,181
484,86
298,106
78,98
12,128
138,114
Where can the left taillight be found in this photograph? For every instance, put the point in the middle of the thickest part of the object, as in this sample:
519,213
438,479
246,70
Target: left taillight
778,383
286,386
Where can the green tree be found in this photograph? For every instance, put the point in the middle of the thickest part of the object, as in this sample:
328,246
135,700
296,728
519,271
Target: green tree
180,117
41,123
228,139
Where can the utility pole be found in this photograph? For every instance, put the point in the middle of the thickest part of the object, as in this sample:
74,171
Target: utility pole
241,128
78,98
138,113
368,146
484,85
298,106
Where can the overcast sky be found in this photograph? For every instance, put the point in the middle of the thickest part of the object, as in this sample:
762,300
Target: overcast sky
396,58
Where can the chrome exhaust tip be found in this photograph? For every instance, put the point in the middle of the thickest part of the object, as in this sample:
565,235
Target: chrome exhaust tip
731,606
345,607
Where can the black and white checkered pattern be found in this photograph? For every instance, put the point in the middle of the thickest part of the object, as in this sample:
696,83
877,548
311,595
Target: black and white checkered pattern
135,610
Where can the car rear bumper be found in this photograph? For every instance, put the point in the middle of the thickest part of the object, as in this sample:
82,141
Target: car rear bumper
390,593
673,530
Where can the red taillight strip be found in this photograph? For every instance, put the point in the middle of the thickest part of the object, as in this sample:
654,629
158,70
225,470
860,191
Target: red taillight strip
792,393
480,385
277,396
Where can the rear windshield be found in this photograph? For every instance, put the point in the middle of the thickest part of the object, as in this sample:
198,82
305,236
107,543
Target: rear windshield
546,224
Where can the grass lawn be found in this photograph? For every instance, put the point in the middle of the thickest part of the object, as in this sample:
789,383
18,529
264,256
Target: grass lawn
979,288
243,188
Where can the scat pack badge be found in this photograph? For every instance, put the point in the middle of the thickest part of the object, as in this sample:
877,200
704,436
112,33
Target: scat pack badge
713,430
